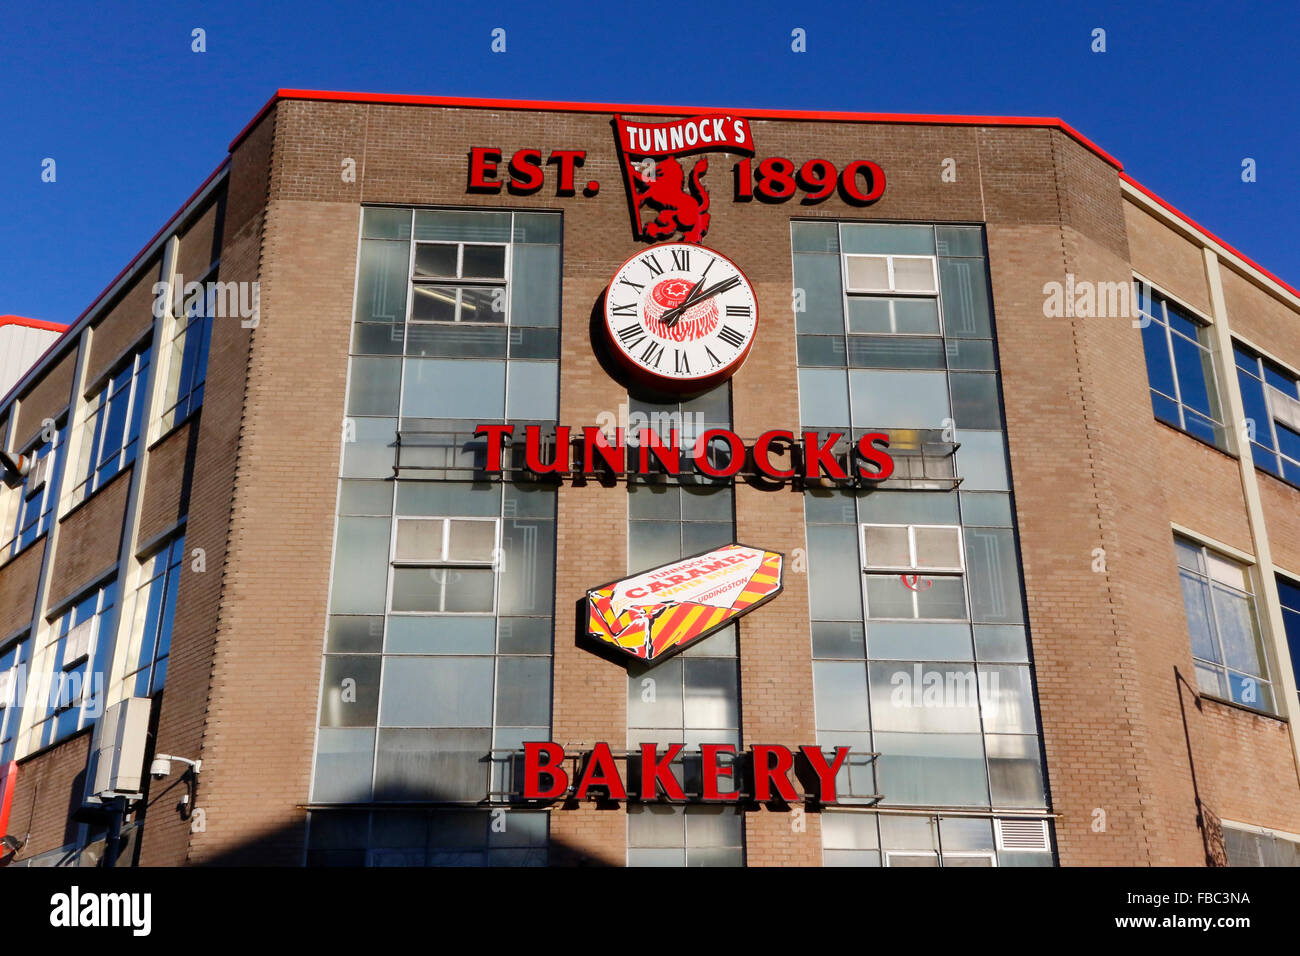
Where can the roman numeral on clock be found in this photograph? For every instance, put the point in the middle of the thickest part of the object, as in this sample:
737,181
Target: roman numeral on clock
682,260
628,309
631,336
731,336
652,354
634,285
652,264
713,359
681,363
740,311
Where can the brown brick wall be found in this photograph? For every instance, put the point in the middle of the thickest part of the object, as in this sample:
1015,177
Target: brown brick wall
90,538
46,398
1167,258
48,791
167,481
18,580
123,325
1261,317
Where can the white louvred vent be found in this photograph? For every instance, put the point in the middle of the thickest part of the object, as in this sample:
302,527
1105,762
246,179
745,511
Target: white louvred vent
1284,408
1022,835
78,642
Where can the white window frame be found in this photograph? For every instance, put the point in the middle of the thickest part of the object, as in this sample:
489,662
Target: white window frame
86,472
165,355
958,569
444,562
892,290
459,281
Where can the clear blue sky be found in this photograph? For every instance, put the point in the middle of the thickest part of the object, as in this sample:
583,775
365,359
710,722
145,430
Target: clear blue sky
135,120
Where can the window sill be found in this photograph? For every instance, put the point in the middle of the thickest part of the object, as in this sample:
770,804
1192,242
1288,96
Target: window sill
25,548
1278,478
58,743
1246,707
94,494
177,426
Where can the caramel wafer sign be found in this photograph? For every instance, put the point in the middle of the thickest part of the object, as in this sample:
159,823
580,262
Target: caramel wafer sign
659,612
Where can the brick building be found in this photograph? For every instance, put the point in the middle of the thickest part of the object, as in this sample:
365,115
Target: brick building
245,488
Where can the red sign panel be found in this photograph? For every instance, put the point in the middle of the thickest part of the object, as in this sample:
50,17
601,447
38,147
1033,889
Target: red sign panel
668,608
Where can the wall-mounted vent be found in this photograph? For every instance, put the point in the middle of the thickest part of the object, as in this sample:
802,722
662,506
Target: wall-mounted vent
117,750
1023,835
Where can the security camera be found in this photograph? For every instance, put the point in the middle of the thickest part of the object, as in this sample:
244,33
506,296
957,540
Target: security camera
162,765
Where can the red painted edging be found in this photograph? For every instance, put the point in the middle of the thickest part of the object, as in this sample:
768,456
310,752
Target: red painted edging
33,323
8,779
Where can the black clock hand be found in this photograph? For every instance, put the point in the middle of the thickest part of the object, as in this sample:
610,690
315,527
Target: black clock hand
670,317
692,295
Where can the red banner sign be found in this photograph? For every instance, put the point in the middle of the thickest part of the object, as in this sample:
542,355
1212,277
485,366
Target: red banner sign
715,132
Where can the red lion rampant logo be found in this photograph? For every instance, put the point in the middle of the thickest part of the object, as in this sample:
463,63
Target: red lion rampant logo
665,190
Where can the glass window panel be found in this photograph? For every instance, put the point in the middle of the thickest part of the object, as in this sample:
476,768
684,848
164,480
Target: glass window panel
909,833
1166,410
445,224
360,565
535,227
941,597
528,500
426,634
834,581
975,401
426,765
887,238
369,448
818,276
1015,771
479,304
524,635
436,259
970,353
849,831
1155,347
823,397
1181,321
448,498
706,502
1251,691
365,498
1239,632
713,826
344,761
483,262
534,343
840,691
888,596
652,543
470,540
932,769
1007,699
534,388
1193,369
824,350
355,634
920,640
965,297
924,698
535,292
1196,597
1001,642
814,237
916,316
456,339
870,314
418,589
867,273
711,693
887,547
993,575
654,696
985,509
436,692
960,240
382,282
419,539
897,399
938,547
378,222
654,501
436,388
700,536
914,275
350,690
467,591
1210,680
1227,572
523,694
833,639
892,351
913,507
721,643
374,385
982,461
434,303
527,566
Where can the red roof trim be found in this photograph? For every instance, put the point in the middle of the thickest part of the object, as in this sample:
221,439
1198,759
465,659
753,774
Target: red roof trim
1209,235
33,323
465,102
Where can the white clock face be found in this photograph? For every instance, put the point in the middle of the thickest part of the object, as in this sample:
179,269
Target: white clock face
680,317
